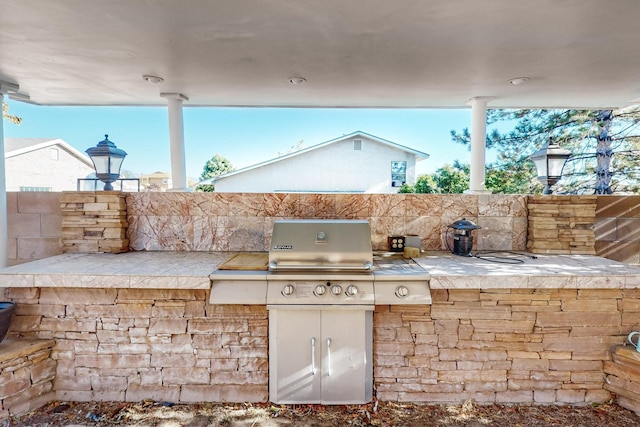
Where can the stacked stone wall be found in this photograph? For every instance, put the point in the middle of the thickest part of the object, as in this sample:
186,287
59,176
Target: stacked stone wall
164,345
561,225
94,222
518,346
530,346
26,376
623,376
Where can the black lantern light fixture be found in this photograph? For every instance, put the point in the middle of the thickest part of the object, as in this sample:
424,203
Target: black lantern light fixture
107,160
549,161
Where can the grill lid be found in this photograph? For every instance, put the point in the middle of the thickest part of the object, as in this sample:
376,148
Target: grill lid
312,244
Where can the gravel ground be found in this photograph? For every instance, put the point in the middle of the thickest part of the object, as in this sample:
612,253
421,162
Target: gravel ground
166,414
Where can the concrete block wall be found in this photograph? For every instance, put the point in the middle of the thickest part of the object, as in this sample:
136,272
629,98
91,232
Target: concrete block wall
34,226
26,375
135,344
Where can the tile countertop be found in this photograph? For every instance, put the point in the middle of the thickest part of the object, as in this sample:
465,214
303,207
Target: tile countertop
523,270
191,270
150,270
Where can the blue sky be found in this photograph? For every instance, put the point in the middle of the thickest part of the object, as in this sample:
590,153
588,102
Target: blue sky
245,136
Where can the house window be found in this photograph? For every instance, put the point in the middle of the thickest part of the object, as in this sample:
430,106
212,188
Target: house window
53,152
398,173
35,189
357,144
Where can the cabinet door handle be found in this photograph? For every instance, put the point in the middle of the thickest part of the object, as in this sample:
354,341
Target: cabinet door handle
313,355
329,357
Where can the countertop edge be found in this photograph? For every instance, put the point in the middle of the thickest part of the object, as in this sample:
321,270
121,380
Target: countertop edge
197,270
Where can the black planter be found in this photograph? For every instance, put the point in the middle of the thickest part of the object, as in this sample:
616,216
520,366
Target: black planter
6,312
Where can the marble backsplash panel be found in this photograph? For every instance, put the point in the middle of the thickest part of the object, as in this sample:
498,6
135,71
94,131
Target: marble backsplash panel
243,221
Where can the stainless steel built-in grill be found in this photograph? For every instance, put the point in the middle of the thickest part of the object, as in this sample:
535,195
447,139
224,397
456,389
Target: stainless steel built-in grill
320,263
320,300
330,262
321,287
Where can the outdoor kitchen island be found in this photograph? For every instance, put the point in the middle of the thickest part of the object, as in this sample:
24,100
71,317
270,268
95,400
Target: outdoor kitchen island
139,325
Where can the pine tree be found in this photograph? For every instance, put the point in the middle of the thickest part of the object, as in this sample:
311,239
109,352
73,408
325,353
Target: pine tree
605,148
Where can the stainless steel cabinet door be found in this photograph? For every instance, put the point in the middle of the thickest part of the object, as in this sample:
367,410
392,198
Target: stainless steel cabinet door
346,353
294,356
320,356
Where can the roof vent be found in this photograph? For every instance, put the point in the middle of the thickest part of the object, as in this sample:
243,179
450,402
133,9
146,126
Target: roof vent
357,144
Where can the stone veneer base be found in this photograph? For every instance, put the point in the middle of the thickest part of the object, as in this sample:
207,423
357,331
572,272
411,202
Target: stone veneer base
544,346
623,376
26,375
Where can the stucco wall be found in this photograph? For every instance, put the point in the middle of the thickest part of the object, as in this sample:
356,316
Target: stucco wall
336,167
39,168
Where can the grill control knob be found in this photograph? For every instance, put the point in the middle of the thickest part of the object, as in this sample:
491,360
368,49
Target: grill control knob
336,289
288,290
319,290
352,291
402,291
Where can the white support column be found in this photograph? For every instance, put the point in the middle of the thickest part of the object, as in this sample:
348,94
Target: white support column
478,144
4,238
4,231
176,140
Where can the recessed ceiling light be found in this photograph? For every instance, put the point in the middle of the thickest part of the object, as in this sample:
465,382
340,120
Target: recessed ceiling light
154,80
297,80
519,80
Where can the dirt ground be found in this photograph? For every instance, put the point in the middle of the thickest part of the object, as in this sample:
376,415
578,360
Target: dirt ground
165,414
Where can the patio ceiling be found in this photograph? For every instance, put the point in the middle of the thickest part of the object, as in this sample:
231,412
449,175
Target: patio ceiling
352,53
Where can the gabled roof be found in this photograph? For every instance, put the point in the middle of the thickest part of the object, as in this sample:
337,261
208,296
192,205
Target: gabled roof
16,146
419,154
157,174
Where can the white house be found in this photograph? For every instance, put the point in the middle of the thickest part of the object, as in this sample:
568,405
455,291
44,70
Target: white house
354,163
41,164
157,181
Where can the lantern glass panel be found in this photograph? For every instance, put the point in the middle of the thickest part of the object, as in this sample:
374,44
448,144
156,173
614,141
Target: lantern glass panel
101,164
555,165
541,165
116,163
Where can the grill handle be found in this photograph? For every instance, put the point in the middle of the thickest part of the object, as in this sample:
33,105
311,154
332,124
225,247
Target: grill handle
273,265
313,355
329,356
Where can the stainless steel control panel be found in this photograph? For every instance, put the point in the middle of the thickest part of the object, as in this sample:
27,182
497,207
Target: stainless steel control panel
320,292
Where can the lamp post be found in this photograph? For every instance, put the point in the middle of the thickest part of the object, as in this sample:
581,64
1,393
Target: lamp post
549,161
107,160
